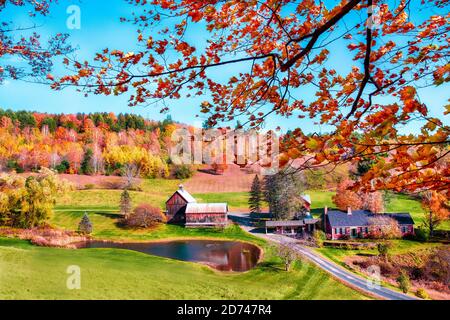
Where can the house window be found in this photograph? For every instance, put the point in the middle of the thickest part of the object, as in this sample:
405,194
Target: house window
367,230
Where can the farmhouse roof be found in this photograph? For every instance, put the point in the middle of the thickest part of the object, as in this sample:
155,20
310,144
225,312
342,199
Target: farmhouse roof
206,208
362,218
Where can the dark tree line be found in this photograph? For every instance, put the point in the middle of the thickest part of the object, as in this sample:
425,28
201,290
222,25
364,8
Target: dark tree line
116,123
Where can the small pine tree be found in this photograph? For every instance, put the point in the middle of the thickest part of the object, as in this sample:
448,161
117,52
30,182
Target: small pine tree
125,203
86,166
403,282
85,226
256,196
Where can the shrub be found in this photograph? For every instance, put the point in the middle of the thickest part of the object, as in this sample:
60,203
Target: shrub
417,273
145,216
89,186
403,282
63,167
422,235
422,293
85,226
344,237
319,237
13,165
183,172
383,249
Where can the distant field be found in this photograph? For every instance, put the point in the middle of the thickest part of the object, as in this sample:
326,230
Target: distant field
233,180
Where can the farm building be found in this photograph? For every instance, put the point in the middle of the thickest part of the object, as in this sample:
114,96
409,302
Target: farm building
296,228
303,223
361,223
182,208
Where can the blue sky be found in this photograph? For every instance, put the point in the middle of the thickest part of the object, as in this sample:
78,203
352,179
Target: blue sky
100,28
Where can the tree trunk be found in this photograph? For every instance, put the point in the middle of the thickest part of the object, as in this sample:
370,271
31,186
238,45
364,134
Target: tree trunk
431,224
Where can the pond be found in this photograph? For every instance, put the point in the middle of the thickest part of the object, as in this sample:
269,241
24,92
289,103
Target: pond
221,255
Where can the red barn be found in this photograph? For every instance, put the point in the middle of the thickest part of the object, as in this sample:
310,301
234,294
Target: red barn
182,208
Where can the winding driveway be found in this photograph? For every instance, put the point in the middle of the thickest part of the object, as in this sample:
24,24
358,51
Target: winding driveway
335,270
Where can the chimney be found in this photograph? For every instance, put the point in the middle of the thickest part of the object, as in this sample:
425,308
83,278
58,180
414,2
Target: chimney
181,187
349,211
325,210
325,214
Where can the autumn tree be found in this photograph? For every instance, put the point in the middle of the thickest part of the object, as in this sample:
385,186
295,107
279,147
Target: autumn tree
286,251
346,198
145,216
373,202
23,44
28,202
436,210
256,196
388,52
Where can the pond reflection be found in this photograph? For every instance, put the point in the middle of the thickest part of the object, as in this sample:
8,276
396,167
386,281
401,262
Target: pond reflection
221,255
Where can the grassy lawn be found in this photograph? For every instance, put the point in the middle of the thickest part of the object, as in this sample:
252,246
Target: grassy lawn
105,227
29,272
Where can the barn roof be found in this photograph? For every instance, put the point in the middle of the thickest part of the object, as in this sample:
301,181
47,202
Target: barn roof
362,218
185,195
206,208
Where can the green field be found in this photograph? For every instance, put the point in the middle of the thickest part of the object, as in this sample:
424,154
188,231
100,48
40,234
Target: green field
29,272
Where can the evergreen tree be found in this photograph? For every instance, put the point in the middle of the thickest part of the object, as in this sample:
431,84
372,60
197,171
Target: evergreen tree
85,225
86,165
125,203
256,196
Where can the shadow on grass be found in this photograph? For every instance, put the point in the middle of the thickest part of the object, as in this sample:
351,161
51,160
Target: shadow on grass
109,215
270,266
